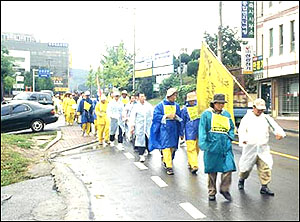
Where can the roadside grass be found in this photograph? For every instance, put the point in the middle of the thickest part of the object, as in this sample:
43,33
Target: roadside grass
14,163
154,101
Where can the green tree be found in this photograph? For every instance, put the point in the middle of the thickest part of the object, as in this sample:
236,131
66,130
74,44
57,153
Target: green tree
172,81
145,85
195,54
9,81
117,67
7,63
185,58
91,80
43,84
192,68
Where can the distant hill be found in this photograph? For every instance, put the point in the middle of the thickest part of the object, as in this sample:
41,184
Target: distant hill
77,79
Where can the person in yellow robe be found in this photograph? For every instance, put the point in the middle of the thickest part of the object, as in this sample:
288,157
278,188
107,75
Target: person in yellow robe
102,120
70,110
64,105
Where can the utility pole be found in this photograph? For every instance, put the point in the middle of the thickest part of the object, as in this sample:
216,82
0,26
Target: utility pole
220,33
133,75
180,68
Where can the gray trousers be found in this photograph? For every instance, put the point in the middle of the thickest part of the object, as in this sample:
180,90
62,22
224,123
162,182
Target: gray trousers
225,182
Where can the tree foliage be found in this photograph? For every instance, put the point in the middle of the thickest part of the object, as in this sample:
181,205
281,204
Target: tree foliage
7,63
117,67
185,58
195,54
192,68
172,82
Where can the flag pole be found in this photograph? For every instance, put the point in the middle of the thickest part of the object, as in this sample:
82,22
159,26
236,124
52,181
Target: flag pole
233,77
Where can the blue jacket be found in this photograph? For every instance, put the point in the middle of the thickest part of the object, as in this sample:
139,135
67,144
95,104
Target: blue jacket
215,140
164,133
189,127
86,116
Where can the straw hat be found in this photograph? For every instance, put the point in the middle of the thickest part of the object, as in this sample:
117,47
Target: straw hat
171,91
191,96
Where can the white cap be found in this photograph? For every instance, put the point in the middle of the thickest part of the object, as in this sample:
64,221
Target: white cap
171,91
259,103
87,93
103,97
116,93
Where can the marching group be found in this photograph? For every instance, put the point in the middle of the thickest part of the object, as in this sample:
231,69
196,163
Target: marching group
160,127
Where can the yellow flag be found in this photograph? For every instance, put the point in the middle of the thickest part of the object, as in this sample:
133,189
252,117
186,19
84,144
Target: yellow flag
213,78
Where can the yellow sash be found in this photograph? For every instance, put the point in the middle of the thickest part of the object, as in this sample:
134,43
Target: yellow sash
86,106
193,112
219,123
169,109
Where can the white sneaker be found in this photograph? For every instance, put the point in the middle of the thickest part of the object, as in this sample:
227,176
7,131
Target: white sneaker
142,158
146,152
111,144
120,146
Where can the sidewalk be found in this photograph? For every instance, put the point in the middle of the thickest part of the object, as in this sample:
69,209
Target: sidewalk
289,125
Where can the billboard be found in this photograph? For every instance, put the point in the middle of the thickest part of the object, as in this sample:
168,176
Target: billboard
247,59
247,19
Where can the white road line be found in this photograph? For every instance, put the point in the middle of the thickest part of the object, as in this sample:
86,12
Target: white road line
141,166
193,211
159,181
129,155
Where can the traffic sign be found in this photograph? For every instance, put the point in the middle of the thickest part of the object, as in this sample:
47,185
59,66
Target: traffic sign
44,73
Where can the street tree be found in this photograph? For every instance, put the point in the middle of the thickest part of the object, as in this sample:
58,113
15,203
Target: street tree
8,84
185,58
192,68
7,63
195,55
117,67
91,79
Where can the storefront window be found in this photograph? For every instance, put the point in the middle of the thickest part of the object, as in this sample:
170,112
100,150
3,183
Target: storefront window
289,96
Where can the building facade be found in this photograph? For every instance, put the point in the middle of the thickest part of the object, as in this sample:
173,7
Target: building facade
277,44
52,56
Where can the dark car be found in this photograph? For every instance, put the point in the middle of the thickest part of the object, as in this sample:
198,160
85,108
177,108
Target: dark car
41,97
22,114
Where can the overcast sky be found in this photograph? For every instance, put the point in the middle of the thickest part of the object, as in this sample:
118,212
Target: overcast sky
89,26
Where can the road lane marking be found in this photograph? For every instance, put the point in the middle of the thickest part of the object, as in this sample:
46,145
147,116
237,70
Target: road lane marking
285,155
277,153
141,166
193,211
159,181
129,155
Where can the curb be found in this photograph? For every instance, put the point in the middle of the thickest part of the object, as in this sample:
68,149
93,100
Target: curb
57,138
74,192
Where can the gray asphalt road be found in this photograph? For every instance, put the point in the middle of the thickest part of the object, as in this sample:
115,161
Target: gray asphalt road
120,190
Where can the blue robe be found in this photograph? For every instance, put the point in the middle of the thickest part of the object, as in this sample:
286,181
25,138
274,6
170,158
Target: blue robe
164,134
216,144
189,127
86,116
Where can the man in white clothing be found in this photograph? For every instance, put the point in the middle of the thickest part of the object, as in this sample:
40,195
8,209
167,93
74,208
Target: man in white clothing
140,123
254,138
114,112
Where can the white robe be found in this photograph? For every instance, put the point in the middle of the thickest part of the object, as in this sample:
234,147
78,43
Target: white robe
255,130
141,118
114,112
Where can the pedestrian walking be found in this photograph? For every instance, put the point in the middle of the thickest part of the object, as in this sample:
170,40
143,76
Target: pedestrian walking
85,110
70,110
124,97
126,115
165,129
216,131
78,117
102,120
190,127
254,139
64,105
140,123
114,112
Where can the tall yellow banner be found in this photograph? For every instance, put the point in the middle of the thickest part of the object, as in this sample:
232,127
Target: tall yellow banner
213,77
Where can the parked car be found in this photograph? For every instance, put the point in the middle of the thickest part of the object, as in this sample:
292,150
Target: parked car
41,97
50,92
22,114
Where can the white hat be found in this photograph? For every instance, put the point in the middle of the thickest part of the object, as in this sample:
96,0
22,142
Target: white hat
116,93
103,97
171,91
87,93
259,103
124,92
191,96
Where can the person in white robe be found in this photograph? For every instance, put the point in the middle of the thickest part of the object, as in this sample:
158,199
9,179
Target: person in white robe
253,135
